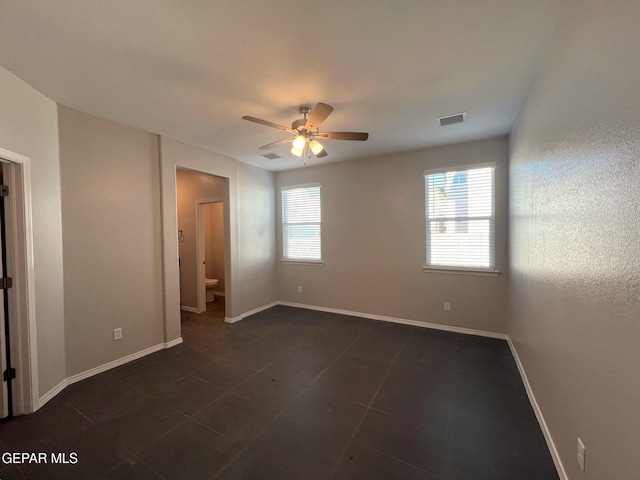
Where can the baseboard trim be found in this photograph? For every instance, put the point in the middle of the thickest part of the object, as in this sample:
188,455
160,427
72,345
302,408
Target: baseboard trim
189,309
173,343
536,408
249,313
403,321
102,368
49,395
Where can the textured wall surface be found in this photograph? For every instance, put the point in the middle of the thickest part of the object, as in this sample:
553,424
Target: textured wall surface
374,241
29,126
110,182
575,238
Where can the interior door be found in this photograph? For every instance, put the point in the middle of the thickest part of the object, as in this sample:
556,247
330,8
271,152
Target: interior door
6,408
5,398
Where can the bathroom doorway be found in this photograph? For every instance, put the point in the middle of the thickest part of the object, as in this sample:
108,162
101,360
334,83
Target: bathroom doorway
210,251
203,236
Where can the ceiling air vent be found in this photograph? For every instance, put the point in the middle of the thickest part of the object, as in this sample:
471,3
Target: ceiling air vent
271,156
452,119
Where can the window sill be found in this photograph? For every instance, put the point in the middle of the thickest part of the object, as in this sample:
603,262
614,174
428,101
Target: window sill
301,262
461,271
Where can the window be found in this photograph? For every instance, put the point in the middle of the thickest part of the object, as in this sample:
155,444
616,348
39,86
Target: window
301,223
460,218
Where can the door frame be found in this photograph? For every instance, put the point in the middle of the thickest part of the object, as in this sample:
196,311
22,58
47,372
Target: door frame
201,299
176,155
21,267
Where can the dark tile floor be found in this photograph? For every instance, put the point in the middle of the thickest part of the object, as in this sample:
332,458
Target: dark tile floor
294,394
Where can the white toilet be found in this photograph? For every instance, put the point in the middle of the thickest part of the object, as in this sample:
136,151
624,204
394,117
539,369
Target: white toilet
210,284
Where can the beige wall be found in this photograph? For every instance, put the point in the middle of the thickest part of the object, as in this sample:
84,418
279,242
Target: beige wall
373,241
575,237
191,187
257,241
29,126
250,220
111,237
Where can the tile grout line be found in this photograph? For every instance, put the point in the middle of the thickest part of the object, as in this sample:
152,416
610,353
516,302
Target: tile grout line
279,415
131,453
246,447
232,390
213,360
369,405
335,361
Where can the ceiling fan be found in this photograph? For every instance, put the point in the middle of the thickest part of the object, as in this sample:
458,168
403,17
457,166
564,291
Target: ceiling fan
305,132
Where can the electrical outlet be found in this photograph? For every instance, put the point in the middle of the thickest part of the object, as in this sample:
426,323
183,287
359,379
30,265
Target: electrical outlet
581,452
299,288
117,333
447,307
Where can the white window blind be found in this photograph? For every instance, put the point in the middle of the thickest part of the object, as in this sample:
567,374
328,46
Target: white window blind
460,218
301,223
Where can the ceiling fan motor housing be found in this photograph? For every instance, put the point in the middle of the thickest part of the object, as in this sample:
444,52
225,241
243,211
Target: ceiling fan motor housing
299,124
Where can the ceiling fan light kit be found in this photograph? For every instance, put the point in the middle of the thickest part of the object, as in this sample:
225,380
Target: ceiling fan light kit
299,142
315,146
305,131
298,152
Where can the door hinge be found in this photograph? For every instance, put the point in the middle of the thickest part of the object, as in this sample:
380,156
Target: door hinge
4,190
9,374
6,283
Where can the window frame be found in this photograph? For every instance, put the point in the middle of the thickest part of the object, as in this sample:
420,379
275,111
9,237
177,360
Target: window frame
455,269
283,223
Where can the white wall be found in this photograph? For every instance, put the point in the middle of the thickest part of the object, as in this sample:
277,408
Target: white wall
575,238
29,126
111,236
373,241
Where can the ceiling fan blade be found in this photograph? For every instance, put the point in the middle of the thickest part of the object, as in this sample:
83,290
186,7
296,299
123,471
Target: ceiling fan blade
318,115
273,144
359,136
269,124
321,153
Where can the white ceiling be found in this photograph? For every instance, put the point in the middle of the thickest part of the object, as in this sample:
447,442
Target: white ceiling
190,69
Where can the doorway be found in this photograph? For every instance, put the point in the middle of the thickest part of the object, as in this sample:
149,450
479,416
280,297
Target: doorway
6,361
17,305
210,250
202,209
